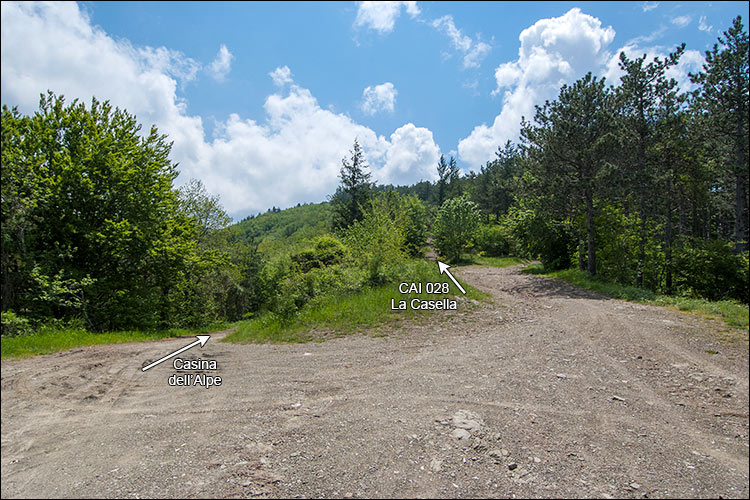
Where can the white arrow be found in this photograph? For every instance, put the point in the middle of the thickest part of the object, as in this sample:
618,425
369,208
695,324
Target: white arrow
202,339
444,269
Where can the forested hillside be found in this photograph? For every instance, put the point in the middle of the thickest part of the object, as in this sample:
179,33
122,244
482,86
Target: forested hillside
639,182
276,229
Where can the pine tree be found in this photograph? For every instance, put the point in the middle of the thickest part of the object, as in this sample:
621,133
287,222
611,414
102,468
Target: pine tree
638,100
724,96
454,187
569,148
355,190
442,182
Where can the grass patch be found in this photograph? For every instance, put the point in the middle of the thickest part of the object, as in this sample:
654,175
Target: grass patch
343,314
481,260
733,313
50,339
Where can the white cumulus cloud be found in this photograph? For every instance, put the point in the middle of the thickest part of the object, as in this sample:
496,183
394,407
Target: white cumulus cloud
281,76
381,16
412,154
648,6
379,98
553,52
290,154
222,64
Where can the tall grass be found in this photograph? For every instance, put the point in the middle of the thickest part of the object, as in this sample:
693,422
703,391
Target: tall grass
343,314
733,313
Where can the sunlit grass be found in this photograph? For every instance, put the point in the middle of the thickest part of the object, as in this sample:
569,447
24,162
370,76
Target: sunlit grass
49,339
492,261
344,314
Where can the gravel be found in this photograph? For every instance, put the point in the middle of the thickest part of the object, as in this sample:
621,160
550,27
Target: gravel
461,404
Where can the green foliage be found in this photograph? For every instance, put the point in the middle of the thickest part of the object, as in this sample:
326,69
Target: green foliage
327,251
455,227
14,325
724,99
285,231
103,235
414,216
351,198
535,235
617,236
711,269
343,313
496,184
447,183
492,240
56,292
730,311
569,149
203,208
378,241
102,219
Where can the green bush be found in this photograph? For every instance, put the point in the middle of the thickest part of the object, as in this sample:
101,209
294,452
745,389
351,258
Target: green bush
455,227
378,241
710,269
415,227
493,241
14,325
534,235
327,251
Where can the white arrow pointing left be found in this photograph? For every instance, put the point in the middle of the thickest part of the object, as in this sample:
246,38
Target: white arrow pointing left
202,339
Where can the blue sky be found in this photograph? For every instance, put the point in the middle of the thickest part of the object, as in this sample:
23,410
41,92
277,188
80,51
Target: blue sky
264,99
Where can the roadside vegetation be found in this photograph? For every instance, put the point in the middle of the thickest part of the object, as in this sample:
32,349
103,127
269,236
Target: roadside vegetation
638,190
345,313
732,312
50,338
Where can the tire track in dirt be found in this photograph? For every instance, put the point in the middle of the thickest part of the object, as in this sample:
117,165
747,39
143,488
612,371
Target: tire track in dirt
364,416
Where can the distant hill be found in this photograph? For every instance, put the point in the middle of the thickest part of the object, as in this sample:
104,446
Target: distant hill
285,227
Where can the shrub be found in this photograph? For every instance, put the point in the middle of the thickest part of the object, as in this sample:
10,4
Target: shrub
14,325
378,241
327,251
493,241
415,226
710,269
455,227
534,235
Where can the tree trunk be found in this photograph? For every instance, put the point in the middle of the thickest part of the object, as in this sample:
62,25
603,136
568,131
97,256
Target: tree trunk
590,232
740,219
668,249
642,195
581,265
641,244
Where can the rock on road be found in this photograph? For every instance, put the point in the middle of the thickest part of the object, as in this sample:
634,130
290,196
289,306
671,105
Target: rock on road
549,391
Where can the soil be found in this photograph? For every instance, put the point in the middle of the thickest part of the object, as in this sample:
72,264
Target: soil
548,391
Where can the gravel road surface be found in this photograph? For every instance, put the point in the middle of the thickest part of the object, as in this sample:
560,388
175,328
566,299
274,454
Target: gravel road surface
548,391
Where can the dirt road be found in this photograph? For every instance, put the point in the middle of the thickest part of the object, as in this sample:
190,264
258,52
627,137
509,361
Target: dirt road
547,392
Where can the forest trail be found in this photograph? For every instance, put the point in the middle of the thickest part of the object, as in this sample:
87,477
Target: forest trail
548,391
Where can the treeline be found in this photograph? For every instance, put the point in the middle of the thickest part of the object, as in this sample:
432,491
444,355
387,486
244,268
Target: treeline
95,235
641,183
94,231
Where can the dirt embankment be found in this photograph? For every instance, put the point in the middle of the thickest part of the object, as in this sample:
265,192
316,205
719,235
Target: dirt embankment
549,391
